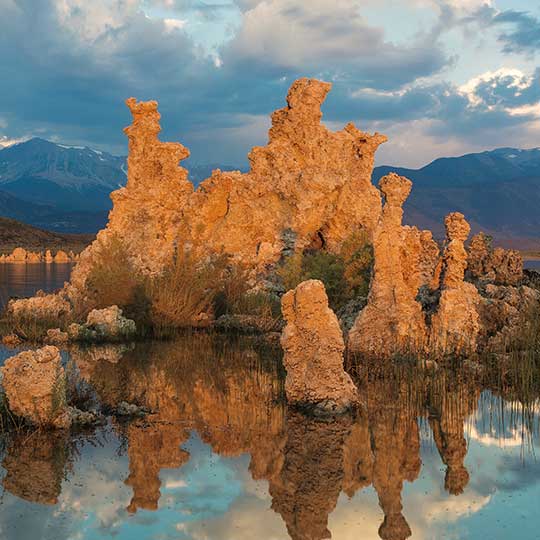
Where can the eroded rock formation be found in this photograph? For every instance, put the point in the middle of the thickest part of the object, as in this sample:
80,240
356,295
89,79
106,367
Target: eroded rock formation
309,181
308,189
313,345
456,325
34,384
405,259
493,265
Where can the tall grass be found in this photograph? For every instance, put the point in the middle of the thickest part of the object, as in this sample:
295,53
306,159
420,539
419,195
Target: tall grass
183,295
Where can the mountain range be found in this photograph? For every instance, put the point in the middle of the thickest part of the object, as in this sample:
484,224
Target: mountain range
66,189
497,190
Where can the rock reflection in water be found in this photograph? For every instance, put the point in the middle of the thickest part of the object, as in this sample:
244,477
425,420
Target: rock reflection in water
34,465
232,397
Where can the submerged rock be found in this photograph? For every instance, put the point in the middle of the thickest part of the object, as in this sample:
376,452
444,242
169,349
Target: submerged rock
313,345
35,386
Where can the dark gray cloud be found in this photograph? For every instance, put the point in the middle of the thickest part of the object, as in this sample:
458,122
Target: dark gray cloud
65,73
523,34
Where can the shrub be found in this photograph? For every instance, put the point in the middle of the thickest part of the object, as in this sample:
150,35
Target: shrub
112,279
184,291
357,254
345,275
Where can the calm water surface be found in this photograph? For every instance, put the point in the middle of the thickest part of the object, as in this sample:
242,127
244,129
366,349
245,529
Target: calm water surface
21,280
223,458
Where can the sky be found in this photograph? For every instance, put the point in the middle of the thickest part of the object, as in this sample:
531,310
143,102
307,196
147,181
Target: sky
438,77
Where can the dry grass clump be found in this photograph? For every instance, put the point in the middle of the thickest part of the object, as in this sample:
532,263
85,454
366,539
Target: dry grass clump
183,295
112,279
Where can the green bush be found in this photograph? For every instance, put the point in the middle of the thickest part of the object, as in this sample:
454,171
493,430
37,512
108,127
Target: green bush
345,275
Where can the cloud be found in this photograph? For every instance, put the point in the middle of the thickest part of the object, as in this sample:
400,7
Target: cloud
288,37
523,34
70,64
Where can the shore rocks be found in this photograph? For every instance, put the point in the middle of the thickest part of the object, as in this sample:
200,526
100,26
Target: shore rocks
313,345
21,255
55,336
34,384
42,306
103,325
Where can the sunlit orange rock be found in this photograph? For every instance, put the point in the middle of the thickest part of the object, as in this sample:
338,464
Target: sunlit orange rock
308,180
33,382
499,266
456,325
392,320
313,345
61,257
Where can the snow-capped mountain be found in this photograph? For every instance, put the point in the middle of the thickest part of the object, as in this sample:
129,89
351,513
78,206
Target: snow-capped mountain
70,178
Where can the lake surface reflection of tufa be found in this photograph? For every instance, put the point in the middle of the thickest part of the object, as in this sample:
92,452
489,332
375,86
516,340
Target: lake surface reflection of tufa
222,457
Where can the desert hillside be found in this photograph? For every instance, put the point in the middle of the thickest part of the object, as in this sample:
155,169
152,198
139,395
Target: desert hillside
16,234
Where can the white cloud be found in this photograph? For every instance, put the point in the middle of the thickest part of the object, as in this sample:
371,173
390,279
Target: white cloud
174,24
514,78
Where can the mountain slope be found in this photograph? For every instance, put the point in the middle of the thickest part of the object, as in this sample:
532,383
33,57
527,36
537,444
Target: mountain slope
498,191
49,217
16,234
66,177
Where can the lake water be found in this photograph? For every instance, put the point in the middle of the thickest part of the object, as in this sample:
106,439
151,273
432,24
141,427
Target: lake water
222,457
532,264
22,280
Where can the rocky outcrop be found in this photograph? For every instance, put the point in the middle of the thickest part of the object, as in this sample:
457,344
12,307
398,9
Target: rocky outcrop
313,345
21,255
34,384
103,325
456,325
489,265
405,258
309,181
43,307
509,316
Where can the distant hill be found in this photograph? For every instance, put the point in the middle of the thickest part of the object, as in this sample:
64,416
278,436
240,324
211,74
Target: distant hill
66,177
67,189
16,234
498,191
